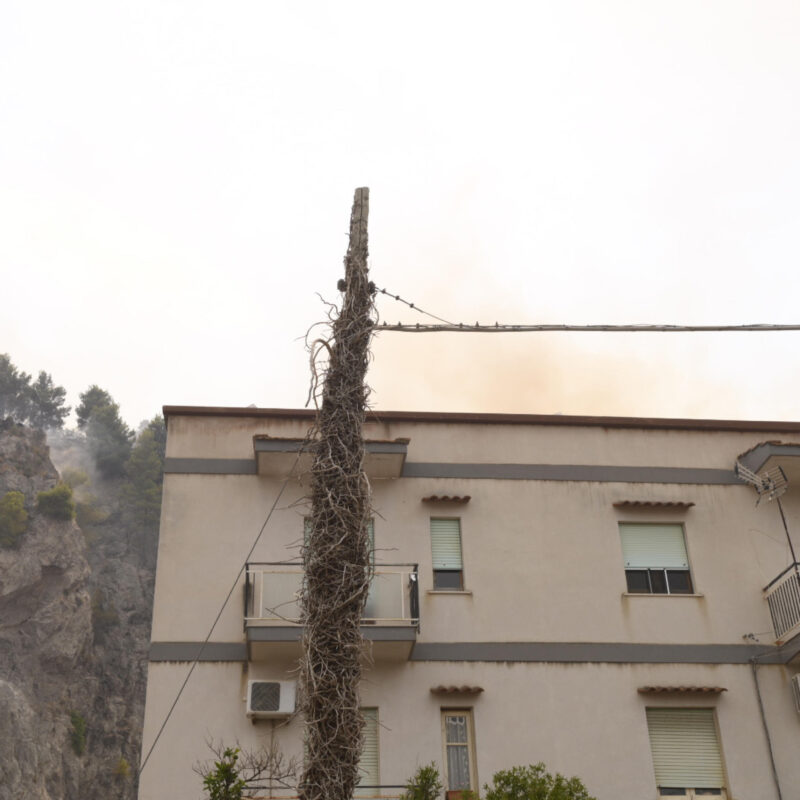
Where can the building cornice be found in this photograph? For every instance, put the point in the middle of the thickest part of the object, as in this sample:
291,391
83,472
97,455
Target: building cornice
474,418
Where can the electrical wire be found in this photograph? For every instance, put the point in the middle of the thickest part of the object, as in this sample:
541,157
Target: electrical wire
498,328
461,327
216,620
414,306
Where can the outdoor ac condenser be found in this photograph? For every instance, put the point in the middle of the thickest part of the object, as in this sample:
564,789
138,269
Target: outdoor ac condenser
796,691
270,699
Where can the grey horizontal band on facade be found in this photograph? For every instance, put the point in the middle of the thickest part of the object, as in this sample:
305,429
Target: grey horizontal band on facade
210,466
512,472
524,652
293,633
195,651
598,653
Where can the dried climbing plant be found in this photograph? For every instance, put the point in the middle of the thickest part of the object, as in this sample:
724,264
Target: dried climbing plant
336,554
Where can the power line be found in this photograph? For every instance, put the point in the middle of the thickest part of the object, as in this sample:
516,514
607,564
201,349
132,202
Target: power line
498,328
414,306
461,327
216,620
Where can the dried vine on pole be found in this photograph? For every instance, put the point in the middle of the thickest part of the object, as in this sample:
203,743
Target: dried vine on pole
336,554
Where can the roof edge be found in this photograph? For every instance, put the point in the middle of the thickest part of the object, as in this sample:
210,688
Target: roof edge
480,418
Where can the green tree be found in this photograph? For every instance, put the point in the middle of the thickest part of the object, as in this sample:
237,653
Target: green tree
92,399
13,518
46,407
424,785
109,439
145,475
14,390
534,782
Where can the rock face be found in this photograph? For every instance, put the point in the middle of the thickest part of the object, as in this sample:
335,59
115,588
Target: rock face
74,630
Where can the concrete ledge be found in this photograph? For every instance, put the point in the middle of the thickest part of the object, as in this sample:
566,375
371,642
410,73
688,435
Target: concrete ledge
572,472
521,652
191,651
293,633
210,466
597,652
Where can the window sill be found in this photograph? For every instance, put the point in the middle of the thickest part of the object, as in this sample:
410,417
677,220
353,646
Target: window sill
449,591
660,594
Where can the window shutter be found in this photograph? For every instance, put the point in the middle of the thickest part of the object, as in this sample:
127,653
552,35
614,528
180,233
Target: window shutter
446,543
368,766
653,546
685,748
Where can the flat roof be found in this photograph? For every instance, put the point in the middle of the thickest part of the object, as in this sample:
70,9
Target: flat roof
472,418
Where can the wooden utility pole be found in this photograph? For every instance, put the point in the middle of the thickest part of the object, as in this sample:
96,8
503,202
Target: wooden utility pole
336,554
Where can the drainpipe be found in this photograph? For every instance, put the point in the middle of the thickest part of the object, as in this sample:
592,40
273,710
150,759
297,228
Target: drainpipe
754,667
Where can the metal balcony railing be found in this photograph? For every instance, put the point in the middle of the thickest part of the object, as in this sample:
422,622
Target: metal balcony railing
272,594
783,597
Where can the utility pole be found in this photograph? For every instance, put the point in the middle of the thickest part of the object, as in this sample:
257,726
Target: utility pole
336,554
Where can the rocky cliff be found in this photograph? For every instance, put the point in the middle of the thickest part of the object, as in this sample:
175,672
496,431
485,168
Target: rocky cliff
75,607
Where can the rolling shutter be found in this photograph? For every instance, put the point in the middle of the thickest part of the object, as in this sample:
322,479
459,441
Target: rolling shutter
368,766
653,546
446,543
685,748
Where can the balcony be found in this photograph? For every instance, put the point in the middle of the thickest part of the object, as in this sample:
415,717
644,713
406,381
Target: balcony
783,597
272,616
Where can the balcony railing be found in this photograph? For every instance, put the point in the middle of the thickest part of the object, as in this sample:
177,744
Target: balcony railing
272,595
783,597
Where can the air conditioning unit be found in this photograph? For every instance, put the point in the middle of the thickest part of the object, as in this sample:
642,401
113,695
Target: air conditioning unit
270,699
796,691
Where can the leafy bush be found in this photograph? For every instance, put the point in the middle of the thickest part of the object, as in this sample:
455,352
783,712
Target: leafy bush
74,477
534,782
424,785
57,502
223,781
13,519
77,735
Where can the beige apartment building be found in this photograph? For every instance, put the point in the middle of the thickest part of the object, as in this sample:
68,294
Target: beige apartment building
604,595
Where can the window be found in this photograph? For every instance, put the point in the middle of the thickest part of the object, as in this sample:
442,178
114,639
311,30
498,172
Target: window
655,558
446,547
686,752
369,765
459,757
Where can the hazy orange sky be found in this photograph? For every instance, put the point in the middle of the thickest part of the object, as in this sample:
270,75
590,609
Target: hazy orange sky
177,180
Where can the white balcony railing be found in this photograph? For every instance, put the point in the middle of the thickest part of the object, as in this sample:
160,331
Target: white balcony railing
272,595
783,598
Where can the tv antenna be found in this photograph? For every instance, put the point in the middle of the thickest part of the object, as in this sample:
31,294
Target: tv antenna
770,484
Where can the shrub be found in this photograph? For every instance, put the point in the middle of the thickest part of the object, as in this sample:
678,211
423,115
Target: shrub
13,519
88,512
534,783
77,735
57,502
424,785
74,477
123,769
223,782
